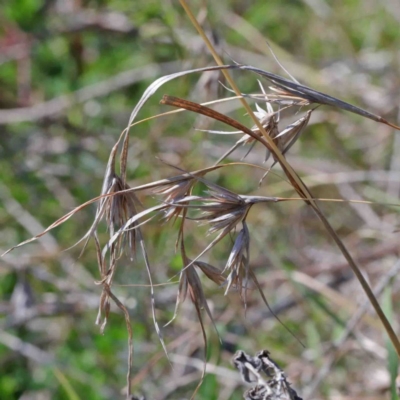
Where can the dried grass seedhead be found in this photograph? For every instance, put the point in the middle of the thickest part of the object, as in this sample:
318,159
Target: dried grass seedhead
212,273
189,282
286,138
270,381
220,208
269,120
117,209
120,208
223,210
238,263
174,193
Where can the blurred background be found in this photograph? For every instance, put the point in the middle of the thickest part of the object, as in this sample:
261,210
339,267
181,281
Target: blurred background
71,71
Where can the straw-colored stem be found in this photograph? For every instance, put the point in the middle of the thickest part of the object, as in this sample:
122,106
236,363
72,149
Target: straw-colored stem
299,185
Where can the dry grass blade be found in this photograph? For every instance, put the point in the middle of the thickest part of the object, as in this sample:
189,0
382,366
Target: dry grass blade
278,96
59,222
130,339
153,303
197,108
313,96
255,280
161,81
383,283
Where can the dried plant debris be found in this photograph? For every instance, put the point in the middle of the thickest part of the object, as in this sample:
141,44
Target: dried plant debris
137,398
223,211
270,381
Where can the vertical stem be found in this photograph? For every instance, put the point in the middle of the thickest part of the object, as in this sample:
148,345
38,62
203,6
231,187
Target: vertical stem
299,186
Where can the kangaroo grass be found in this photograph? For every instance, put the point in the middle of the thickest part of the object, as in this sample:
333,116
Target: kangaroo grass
288,88
222,210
